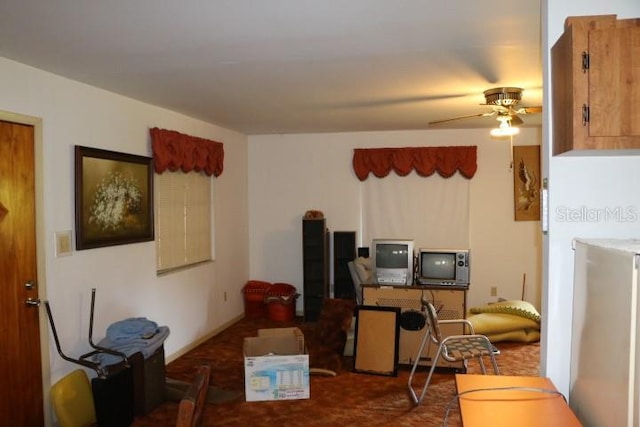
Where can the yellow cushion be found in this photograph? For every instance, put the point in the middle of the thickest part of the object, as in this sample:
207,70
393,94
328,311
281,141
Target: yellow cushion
516,307
492,323
72,400
522,335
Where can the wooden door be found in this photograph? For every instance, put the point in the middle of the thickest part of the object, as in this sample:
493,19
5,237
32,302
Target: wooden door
21,399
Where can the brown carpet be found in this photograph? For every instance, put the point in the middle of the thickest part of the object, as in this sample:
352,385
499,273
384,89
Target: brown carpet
348,399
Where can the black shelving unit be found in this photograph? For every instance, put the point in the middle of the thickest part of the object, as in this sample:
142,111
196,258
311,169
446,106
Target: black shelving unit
315,255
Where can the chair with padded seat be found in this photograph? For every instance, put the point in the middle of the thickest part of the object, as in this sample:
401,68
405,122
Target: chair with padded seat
72,400
453,348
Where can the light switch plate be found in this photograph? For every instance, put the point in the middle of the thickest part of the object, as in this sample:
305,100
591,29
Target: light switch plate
63,243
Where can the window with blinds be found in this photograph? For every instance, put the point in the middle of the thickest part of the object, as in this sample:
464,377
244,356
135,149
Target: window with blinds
182,219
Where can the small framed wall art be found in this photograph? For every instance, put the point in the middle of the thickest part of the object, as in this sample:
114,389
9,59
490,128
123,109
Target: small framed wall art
113,198
526,182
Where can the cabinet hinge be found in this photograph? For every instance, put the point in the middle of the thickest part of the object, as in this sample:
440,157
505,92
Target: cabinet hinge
585,61
585,114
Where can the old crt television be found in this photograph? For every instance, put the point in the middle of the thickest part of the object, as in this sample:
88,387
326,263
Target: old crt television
443,266
392,261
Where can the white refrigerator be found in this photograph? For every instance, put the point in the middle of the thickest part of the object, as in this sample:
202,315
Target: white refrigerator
605,353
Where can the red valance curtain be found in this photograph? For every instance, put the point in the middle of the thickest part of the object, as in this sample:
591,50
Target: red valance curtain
425,160
173,150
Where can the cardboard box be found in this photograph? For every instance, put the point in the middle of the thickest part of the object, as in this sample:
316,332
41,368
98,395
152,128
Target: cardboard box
276,366
284,335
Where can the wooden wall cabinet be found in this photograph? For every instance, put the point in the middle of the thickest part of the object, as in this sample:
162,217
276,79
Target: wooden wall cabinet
595,72
451,301
315,269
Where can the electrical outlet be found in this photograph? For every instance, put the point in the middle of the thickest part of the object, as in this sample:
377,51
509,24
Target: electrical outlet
225,296
494,291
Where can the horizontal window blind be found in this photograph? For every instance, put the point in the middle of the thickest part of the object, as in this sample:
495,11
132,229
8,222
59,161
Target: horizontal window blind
183,219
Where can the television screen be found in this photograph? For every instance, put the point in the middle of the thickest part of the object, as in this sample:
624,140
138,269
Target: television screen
441,266
391,255
392,261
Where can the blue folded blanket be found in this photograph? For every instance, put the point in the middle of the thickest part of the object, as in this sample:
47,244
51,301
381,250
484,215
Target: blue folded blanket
131,329
131,336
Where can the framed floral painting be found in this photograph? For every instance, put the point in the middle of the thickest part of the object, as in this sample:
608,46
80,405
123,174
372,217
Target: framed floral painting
114,198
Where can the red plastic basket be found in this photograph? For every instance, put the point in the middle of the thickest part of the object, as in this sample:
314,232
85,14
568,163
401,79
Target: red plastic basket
281,302
255,292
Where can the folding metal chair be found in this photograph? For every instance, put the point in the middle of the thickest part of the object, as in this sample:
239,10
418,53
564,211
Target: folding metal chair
454,348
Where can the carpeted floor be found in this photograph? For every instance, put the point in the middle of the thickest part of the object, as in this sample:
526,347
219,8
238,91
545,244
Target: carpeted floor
348,399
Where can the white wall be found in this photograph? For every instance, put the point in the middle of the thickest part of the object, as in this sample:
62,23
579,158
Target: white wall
576,182
190,302
290,174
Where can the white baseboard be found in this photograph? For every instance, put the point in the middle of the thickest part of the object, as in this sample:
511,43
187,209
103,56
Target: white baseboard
188,348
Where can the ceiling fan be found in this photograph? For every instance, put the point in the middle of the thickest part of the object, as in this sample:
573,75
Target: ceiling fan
504,107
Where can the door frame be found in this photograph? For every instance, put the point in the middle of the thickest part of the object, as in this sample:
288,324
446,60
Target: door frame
36,122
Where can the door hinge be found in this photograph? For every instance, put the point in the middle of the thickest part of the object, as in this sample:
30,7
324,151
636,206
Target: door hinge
585,61
585,114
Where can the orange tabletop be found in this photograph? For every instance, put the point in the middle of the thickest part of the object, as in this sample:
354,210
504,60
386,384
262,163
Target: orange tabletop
511,401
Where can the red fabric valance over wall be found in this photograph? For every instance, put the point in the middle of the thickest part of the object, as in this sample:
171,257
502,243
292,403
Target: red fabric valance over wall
173,150
425,160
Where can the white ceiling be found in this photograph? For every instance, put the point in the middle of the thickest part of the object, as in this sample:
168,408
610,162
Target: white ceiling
290,66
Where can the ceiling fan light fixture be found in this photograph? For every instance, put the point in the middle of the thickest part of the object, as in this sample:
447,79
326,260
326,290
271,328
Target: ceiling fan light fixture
503,96
505,129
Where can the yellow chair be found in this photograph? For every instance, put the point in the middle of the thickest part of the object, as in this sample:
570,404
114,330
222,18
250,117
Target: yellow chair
72,400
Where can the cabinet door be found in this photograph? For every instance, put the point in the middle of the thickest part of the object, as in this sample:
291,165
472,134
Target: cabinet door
596,83
614,82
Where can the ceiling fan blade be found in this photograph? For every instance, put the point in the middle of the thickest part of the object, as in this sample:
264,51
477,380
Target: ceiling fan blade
515,120
529,110
470,116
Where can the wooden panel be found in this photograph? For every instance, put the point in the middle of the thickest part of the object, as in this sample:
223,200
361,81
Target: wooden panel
614,75
610,88
562,93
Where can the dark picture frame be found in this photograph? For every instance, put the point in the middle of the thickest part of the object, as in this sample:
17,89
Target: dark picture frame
113,198
377,340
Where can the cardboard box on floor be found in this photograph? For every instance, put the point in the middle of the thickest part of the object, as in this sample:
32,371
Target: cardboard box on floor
276,366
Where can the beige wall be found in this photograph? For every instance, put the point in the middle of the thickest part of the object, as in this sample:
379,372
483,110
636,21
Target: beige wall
290,174
190,302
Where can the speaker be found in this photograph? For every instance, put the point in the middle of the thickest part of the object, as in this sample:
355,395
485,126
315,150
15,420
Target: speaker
363,252
344,251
